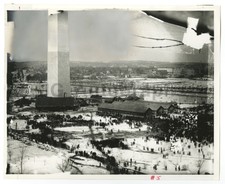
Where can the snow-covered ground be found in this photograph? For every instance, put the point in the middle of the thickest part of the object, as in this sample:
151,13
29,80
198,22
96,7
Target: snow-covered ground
36,160
93,170
98,129
180,145
88,169
25,113
86,161
146,162
39,161
125,127
73,129
145,153
142,156
38,165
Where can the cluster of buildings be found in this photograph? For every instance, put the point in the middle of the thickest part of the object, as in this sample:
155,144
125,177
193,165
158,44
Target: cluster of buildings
174,72
136,109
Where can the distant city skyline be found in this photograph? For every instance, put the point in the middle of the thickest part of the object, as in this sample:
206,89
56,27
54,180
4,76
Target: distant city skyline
103,36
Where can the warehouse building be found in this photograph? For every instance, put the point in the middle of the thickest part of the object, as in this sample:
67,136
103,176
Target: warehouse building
54,104
136,109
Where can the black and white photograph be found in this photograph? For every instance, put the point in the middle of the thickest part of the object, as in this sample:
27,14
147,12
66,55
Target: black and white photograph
111,91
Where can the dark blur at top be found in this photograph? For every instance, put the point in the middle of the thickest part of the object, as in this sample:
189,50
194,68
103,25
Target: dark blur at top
205,24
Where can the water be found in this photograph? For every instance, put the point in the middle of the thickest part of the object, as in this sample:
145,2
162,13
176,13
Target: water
150,95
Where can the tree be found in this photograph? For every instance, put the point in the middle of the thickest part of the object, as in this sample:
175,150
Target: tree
9,149
22,155
64,165
199,165
10,153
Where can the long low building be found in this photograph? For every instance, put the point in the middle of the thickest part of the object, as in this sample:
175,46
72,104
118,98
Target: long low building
59,103
137,109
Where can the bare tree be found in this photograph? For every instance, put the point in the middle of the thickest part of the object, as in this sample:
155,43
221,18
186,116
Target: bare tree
199,165
10,155
201,161
22,155
9,149
9,158
64,165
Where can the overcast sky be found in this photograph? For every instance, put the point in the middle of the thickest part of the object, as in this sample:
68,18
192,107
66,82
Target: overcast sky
102,35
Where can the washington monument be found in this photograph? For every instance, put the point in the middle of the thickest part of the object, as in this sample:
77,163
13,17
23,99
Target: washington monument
58,55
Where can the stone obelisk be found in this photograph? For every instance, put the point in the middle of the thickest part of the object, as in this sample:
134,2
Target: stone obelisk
58,55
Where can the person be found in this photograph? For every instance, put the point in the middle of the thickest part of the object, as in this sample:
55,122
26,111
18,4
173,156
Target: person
155,167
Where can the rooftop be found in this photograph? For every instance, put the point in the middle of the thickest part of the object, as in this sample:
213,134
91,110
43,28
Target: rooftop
135,106
54,102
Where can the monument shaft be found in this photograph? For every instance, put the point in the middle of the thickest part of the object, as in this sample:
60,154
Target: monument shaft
58,56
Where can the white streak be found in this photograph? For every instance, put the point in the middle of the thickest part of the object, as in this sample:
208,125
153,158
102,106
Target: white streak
191,38
156,19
